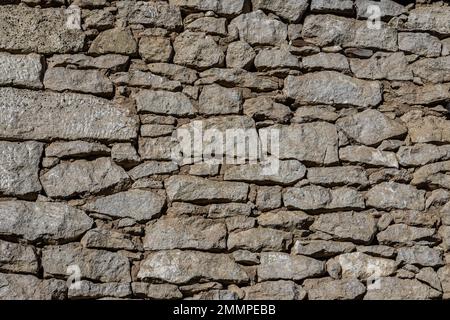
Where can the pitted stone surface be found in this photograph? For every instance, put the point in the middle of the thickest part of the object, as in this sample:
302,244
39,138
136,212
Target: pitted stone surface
224,149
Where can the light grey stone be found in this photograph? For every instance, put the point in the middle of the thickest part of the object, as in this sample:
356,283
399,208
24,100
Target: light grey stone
84,81
240,55
315,143
47,115
117,40
19,168
392,195
256,28
279,265
185,233
164,103
391,288
291,10
404,234
217,100
422,44
76,149
194,189
137,204
322,248
289,171
330,289
97,265
258,239
18,258
357,227
197,50
21,70
314,197
46,221
368,155
330,87
82,177
277,290
24,29
421,256
28,287
181,267
330,176
156,14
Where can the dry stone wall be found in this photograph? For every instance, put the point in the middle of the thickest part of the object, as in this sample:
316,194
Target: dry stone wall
95,204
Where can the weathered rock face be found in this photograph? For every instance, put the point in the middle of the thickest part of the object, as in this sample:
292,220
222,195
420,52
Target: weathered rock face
311,142
329,289
329,87
139,205
42,221
370,127
180,267
358,227
45,116
277,265
97,265
224,149
80,177
185,233
193,189
21,70
19,167
25,29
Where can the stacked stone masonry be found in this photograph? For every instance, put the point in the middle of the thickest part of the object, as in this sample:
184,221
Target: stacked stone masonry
92,93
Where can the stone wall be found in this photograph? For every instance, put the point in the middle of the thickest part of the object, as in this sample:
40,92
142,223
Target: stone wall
94,205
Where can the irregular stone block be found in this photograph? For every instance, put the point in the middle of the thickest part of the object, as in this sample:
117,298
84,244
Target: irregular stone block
277,290
140,205
279,265
180,267
28,287
330,87
185,233
315,143
358,227
330,289
24,29
82,177
257,28
96,265
194,189
84,81
47,115
164,103
197,50
19,168
48,221
18,258
258,239
392,288
289,171
21,70
315,198
392,195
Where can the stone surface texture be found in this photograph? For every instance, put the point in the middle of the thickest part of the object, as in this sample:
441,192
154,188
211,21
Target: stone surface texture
224,149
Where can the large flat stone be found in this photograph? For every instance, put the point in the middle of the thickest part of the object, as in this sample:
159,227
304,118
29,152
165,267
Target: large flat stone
18,258
97,265
330,87
194,189
83,177
358,227
315,143
28,287
21,70
42,221
185,233
19,168
178,267
137,204
28,114
279,265
25,29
